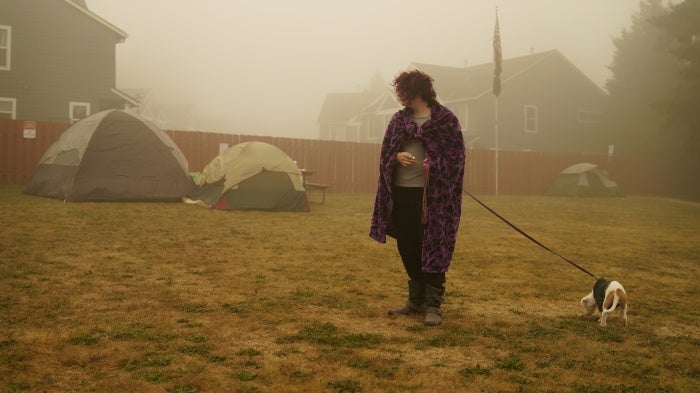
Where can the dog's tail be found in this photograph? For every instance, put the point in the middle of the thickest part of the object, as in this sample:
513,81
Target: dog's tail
617,296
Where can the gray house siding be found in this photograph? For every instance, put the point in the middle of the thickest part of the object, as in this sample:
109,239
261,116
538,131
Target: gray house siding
559,92
480,127
59,55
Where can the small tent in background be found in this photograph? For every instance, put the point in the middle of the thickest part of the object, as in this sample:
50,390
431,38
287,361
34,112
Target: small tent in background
112,156
251,176
583,179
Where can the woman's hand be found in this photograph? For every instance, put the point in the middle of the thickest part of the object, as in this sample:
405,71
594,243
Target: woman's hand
405,158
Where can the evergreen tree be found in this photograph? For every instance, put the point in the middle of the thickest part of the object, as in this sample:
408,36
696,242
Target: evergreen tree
682,24
682,108
643,71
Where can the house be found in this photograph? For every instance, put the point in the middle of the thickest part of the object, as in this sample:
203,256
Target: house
337,118
349,116
546,105
57,61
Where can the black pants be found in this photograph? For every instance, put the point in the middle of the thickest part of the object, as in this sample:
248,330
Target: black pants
408,204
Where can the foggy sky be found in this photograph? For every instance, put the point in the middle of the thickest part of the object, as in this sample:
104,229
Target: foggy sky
270,63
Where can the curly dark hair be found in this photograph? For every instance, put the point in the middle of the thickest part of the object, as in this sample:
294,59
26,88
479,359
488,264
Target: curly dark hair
414,83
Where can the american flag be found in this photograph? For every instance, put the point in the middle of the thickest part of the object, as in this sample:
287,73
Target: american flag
497,59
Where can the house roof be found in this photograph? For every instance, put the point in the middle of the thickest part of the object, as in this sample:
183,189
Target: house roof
137,93
126,96
341,107
459,83
81,6
451,83
386,100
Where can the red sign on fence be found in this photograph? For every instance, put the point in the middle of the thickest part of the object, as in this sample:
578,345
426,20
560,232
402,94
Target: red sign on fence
29,129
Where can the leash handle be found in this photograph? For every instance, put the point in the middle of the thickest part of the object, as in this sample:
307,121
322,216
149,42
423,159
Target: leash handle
528,236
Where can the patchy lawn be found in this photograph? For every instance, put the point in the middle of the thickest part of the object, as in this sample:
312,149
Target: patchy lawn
177,298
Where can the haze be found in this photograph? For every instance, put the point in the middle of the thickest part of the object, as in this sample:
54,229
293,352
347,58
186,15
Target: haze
264,67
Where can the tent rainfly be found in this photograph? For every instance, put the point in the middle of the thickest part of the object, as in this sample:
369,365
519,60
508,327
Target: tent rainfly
584,179
112,156
251,176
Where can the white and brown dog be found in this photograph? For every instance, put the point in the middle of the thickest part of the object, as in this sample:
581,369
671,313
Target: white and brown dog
606,296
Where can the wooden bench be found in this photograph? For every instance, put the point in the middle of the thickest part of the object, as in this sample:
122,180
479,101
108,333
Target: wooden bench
317,187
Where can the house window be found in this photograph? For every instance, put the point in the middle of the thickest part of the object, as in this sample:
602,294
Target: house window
8,108
5,46
374,125
338,133
378,126
530,118
461,110
589,116
79,110
365,127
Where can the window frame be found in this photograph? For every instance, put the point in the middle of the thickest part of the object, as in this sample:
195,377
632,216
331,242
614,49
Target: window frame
374,125
588,116
534,118
7,66
378,126
12,101
365,127
71,110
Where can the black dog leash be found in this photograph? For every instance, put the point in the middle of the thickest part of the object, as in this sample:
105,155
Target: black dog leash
528,236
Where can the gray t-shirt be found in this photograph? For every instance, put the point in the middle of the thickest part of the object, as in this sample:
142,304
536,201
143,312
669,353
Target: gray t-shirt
412,175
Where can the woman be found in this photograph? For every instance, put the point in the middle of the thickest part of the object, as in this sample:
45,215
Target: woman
419,192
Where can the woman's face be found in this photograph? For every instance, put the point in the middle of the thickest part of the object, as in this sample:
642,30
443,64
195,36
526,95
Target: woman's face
411,102
405,101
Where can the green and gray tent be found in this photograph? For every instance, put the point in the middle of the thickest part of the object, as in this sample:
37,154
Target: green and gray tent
251,176
584,179
112,156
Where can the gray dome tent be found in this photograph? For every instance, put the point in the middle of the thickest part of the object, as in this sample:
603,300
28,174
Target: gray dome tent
583,179
112,156
251,176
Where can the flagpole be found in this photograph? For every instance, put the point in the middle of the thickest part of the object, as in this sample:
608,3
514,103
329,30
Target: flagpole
497,59
495,123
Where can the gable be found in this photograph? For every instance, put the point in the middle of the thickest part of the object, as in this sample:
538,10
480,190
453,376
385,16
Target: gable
81,6
389,102
386,101
458,84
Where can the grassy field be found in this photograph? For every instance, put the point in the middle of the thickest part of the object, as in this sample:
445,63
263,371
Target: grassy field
154,297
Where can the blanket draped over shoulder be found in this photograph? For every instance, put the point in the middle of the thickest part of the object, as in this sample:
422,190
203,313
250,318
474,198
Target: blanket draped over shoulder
443,142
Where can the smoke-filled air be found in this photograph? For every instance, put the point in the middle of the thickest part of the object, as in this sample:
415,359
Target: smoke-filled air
264,67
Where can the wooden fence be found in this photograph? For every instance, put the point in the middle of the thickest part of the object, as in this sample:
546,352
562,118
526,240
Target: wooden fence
352,167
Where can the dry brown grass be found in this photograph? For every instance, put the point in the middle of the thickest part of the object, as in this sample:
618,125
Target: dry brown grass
169,297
